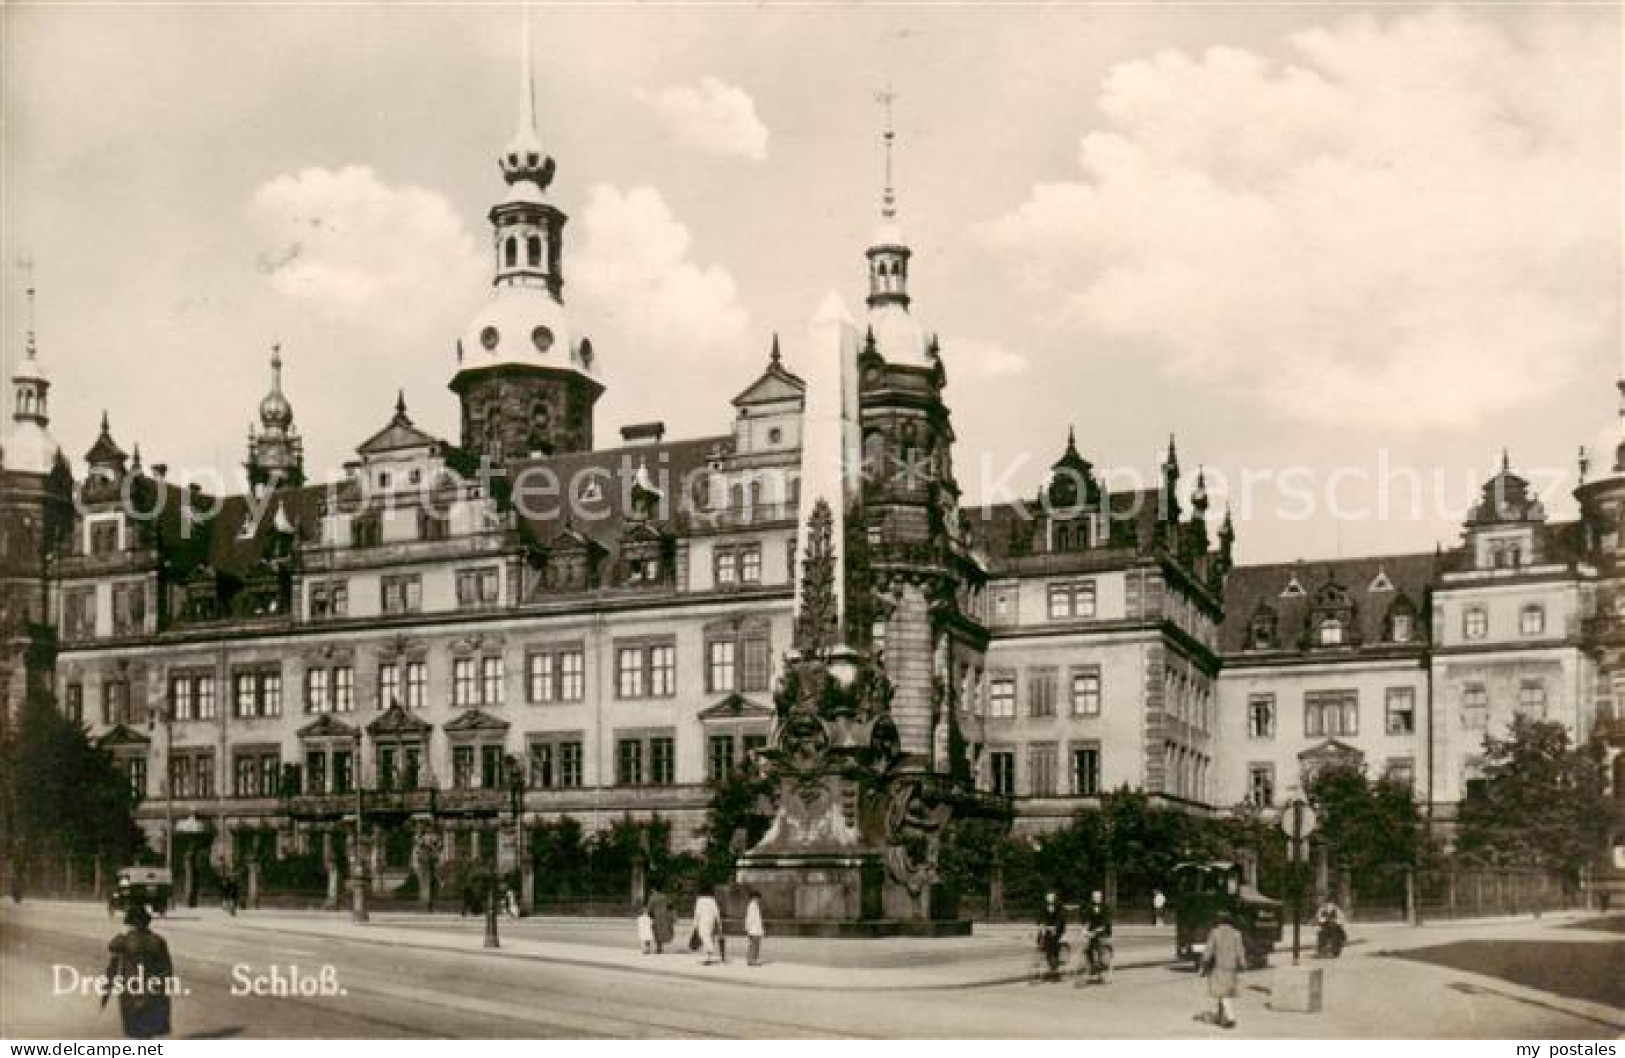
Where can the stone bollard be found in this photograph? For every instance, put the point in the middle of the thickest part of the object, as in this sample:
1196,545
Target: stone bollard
1297,989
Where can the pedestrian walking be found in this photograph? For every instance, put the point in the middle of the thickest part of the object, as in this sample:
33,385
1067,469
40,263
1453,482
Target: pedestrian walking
754,929
708,924
1158,903
1222,963
665,922
141,974
646,931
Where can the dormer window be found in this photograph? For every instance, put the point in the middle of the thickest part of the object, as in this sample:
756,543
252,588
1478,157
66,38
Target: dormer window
1261,633
1330,632
1402,628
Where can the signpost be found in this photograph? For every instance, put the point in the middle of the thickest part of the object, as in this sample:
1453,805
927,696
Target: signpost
1298,821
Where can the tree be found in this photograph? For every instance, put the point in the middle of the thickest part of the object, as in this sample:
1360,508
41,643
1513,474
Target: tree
1543,802
71,803
735,806
1372,828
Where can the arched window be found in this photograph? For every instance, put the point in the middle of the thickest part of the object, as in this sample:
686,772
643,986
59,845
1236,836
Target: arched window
533,251
510,252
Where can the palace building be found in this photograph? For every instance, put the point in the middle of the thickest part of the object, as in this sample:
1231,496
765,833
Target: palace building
428,644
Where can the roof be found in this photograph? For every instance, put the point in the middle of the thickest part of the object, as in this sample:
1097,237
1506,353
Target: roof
1007,530
1373,585
1506,498
775,384
399,435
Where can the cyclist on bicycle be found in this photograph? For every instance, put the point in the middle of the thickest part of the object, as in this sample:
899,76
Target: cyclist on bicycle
1051,928
1097,927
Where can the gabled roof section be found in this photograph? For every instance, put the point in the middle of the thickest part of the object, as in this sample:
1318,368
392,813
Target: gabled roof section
326,726
475,720
736,707
1251,588
123,735
397,721
776,384
1330,751
400,435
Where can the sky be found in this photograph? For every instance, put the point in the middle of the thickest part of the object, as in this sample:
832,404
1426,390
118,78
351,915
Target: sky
1347,254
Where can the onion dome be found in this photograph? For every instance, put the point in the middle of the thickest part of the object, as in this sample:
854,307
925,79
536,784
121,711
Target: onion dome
275,411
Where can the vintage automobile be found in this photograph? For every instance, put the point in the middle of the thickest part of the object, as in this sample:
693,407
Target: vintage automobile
152,887
1202,890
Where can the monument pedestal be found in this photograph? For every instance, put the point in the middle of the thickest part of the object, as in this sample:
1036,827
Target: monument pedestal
1297,989
844,894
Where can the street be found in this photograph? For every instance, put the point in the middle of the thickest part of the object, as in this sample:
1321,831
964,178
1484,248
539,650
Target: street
428,976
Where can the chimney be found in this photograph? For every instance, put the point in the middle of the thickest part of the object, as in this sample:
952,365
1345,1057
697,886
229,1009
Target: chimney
643,433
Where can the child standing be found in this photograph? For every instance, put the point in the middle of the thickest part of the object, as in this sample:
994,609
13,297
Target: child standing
646,931
754,928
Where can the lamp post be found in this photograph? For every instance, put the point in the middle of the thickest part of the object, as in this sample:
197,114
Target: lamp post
358,867
516,804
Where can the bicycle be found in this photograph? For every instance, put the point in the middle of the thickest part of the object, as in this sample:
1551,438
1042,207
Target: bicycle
1096,968
1044,968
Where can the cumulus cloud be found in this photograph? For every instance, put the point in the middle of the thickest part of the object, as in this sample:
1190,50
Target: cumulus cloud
974,358
633,270
714,116
352,245
1411,225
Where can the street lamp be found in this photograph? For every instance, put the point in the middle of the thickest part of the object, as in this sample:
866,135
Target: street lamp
358,867
516,803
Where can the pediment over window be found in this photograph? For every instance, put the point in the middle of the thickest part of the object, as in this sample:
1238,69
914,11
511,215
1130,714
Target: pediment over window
123,735
1330,755
325,726
475,721
396,721
736,707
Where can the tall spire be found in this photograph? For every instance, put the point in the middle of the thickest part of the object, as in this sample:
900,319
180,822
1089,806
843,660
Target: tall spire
888,196
524,160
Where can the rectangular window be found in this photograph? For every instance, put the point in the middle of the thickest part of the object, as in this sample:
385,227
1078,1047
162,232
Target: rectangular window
719,665
316,700
315,772
1401,711
343,689
271,693
719,757
629,762
389,684
462,682
386,768
1086,691
755,663
1003,764
245,776
203,776
541,765
491,680
417,684
1532,700
180,777
662,760
491,767
478,587
629,672
1041,770
244,702
1072,600
129,608
1475,622
180,697
270,774
1261,716
1532,620
73,703
462,767
570,764
402,593
539,678
725,569
115,702
1086,771
750,564
1041,693
343,771
1261,784
1330,714
1475,707
1001,696
79,605
329,599
662,671
572,678
104,536
1401,771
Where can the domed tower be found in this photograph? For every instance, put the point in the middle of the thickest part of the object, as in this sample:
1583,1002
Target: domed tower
276,454
527,382
36,515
